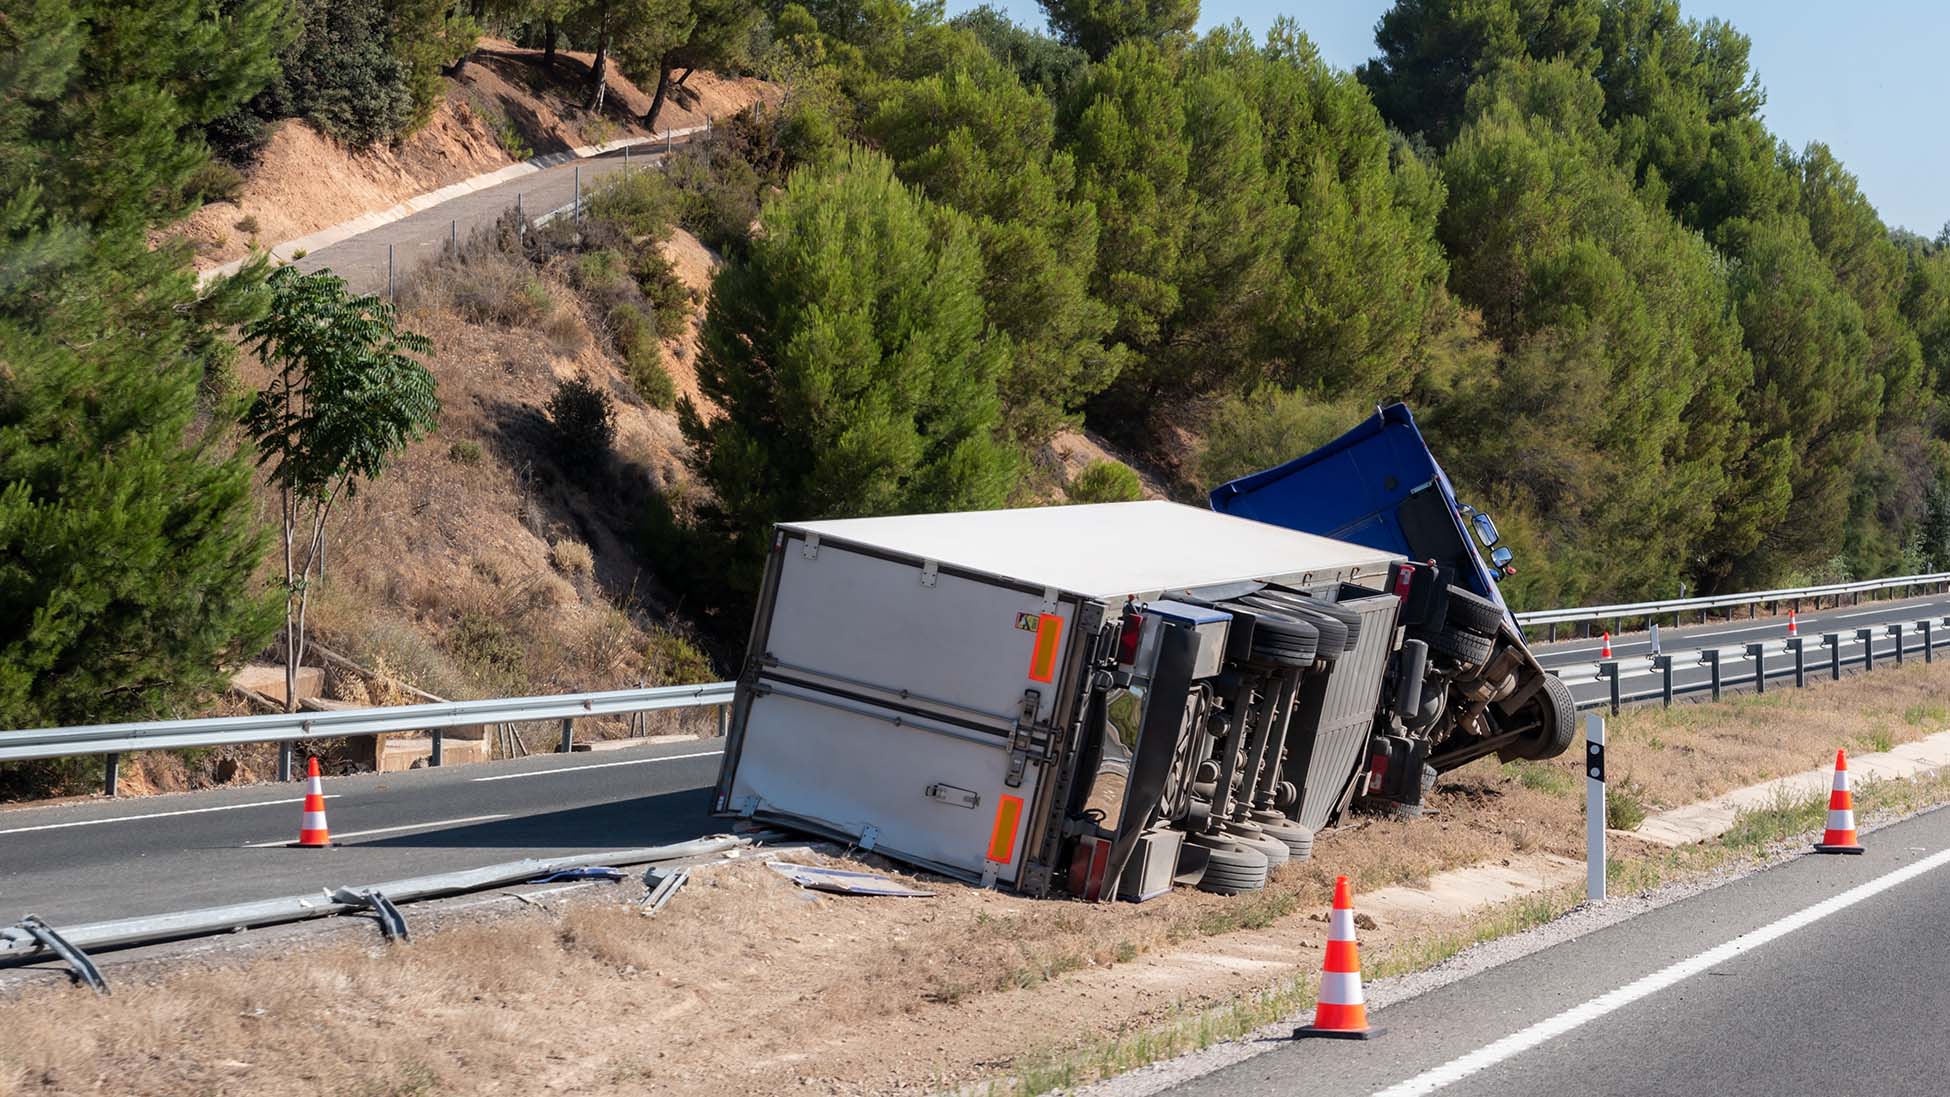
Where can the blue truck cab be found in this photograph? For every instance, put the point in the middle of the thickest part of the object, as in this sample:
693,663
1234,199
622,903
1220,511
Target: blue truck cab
1478,689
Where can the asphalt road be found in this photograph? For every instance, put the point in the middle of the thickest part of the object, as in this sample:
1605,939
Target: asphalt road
1576,661
1789,981
105,859
361,260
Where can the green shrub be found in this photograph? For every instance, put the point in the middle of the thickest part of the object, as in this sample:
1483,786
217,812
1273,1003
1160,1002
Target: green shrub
643,356
1268,428
669,297
671,659
1105,482
464,453
719,195
584,422
490,650
213,181
642,203
247,225
599,271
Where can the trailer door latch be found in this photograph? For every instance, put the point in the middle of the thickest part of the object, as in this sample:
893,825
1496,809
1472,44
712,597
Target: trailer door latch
1028,741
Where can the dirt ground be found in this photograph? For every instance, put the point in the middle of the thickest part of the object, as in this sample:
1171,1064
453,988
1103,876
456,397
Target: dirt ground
503,107
745,984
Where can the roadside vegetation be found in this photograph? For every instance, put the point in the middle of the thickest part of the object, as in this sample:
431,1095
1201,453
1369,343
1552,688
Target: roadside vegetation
1626,314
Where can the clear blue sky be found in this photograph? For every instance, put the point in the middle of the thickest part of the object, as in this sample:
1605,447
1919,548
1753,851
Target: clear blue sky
1866,78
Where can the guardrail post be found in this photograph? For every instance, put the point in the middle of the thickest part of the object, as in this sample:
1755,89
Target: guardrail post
1664,665
1711,657
284,761
1800,661
1929,644
111,772
1594,807
724,721
1758,653
1551,628
1867,636
578,199
1896,630
434,752
568,734
1610,671
1834,642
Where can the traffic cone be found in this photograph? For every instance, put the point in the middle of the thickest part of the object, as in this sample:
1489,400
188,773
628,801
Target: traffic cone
1794,628
1340,1012
1605,652
312,831
1840,835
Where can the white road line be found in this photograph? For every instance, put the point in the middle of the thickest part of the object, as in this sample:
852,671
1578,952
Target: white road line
1481,1059
600,765
161,815
388,830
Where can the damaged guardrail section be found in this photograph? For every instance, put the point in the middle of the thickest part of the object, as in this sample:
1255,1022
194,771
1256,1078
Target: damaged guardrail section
33,939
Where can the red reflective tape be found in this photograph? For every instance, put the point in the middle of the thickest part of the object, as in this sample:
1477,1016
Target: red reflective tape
1042,663
1002,840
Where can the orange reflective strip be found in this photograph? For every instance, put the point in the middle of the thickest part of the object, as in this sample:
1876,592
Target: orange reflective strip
1042,664
1002,840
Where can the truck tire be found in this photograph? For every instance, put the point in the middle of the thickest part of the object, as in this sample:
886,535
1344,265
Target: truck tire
1232,870
1468,649
1278,637
1273,849
1299,840
1471,611
1560,723
1331,629
1340,613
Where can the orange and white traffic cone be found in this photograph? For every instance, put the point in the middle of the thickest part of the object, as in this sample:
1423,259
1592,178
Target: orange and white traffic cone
1605,652
312,831
1840,835
1340,1012
1794,628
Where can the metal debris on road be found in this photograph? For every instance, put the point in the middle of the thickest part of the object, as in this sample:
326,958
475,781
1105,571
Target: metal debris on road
662,884
594,872
841,882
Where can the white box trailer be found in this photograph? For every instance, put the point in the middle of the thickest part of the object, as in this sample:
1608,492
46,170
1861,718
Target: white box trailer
917,685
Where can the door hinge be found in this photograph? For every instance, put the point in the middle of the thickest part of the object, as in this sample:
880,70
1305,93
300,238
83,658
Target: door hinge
810,549
1028,740
869,837
928,571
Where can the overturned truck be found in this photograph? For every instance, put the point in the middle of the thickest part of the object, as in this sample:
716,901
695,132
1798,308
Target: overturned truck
1102,701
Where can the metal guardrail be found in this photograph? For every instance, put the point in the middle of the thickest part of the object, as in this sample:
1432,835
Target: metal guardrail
1744,666
1632,611
114,739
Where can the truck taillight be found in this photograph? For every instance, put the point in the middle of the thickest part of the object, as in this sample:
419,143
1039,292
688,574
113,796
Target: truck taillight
1127,641
1378,770
1404,580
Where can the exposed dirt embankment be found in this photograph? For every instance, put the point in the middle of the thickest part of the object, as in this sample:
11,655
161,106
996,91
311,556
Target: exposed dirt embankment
505,105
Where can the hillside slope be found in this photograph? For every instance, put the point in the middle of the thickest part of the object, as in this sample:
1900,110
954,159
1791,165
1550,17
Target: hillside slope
505,105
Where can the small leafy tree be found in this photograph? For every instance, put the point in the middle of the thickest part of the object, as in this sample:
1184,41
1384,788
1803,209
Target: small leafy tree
584,422
347,396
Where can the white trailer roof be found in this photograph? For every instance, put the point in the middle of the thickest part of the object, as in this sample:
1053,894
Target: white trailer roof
1105,550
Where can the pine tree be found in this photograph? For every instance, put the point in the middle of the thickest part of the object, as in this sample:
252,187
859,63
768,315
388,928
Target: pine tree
1099,26
996,161
127,544
853,364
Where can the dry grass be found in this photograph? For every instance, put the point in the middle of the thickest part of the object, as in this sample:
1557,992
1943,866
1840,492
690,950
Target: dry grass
1694,752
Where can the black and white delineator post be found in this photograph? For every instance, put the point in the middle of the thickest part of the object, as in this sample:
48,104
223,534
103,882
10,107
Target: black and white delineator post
1594,807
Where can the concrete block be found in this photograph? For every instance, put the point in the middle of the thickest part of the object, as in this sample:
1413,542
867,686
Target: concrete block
269,680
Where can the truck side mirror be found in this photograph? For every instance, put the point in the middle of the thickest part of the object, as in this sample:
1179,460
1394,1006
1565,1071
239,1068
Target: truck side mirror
1501,556
1485,528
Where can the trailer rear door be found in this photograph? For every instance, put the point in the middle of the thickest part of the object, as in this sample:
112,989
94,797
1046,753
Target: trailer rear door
896,697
